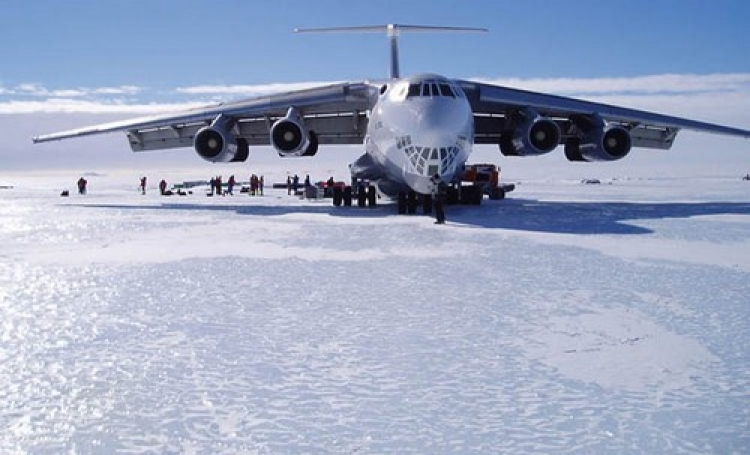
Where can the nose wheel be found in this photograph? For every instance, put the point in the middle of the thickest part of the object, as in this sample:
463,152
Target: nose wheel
409,202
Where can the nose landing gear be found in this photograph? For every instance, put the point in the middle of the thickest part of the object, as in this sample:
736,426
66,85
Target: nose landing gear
409,202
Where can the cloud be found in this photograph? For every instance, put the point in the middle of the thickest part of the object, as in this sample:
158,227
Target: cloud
248,90
711,97
68,105
39,91
653,84
121,90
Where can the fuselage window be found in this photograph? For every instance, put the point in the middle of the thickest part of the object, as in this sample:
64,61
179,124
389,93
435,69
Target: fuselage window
426,90
435,91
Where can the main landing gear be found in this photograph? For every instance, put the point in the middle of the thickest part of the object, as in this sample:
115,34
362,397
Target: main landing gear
409,202
365,196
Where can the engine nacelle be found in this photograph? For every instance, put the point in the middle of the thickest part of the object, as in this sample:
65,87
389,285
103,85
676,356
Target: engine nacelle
290,137
532,135
217,144
607,143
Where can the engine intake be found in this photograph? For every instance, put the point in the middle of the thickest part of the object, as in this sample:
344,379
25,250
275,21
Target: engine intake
533,135
215,143
601,142
290,137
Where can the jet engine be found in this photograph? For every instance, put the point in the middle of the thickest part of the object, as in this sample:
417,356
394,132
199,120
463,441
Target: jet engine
217,144
532,135
290,137
601,142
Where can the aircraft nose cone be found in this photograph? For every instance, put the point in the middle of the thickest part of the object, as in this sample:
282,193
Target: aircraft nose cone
434,154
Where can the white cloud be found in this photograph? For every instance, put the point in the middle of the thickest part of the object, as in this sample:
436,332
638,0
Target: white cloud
38,90
121,90
68,105
718,98
660,83
248,90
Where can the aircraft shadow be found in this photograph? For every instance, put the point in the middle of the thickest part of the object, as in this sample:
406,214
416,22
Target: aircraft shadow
325,207
563,217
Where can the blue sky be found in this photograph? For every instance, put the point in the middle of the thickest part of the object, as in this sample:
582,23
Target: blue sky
86,58
166,44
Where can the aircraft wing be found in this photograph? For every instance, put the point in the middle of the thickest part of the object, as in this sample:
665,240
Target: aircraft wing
337,113
493,104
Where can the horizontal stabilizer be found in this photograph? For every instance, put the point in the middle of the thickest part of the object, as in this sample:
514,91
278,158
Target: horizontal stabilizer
392,30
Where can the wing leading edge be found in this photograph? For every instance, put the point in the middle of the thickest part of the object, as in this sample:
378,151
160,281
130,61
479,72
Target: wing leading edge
492,105
337,113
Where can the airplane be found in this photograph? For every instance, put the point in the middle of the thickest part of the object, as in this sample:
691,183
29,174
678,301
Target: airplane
417,131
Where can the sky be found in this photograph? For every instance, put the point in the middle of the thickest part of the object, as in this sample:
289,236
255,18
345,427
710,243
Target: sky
686,57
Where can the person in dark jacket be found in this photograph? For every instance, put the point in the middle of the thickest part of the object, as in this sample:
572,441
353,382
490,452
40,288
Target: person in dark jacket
82,185
438,193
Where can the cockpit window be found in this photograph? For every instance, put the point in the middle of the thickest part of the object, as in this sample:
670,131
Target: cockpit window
445,90
433,88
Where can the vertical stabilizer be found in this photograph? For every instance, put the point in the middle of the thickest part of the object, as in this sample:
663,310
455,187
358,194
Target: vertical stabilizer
392,31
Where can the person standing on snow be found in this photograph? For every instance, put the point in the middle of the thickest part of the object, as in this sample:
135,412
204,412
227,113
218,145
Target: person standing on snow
438,194
82,185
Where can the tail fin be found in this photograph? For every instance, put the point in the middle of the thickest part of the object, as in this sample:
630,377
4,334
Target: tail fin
392,31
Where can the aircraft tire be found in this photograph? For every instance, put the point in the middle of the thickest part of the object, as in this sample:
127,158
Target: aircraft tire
451,196
347,197
427,204
476,196
411,203
497,194
372,197
401,202
338,196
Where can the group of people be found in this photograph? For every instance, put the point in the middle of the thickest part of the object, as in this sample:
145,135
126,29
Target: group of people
256,185
292,183
162,187
215,185
292,186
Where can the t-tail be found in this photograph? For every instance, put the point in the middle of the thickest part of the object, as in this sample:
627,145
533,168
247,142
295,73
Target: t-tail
392,31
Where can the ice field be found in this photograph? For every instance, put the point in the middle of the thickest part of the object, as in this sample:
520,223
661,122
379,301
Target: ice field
568,318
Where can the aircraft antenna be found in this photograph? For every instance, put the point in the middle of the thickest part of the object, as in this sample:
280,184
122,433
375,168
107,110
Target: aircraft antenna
392,31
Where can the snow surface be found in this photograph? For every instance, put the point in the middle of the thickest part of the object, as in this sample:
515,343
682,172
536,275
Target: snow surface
568,318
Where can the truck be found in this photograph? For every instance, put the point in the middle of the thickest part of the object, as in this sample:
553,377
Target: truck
476,181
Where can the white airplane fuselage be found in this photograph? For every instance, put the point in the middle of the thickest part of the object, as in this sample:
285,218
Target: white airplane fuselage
420,127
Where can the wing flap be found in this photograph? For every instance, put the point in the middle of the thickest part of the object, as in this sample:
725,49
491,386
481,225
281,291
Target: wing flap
490,104
339,128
